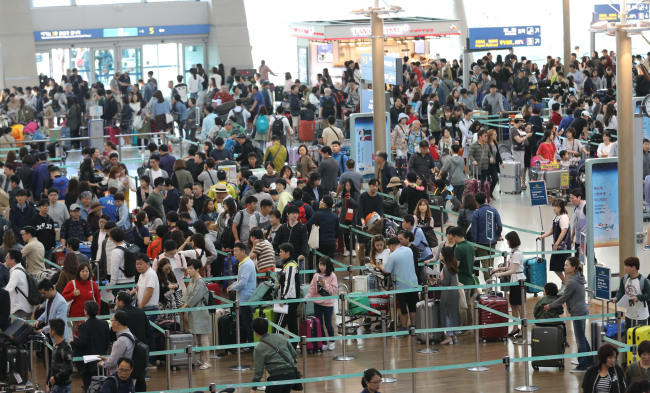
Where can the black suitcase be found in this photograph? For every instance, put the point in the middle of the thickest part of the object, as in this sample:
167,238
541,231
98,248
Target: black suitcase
227,330
19,331
17,366
546,341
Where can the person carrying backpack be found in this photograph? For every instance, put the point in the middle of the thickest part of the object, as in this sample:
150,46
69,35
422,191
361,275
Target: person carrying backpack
239,114
122,261
635,287
18,286
124,344
261,127
327,105
120,382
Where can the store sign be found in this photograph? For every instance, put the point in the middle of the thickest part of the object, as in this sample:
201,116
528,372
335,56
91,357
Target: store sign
610,13
302,30
389,30
504,37
392,69
115,32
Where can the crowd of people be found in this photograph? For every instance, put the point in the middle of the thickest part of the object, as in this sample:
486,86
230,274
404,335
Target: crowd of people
190,211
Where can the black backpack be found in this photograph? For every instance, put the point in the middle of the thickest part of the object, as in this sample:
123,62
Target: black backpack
278,126
140,357
33,295
130,252
239,118
328,106
227,237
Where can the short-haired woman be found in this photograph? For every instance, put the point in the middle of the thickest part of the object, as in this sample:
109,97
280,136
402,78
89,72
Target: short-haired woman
640,369
515,269
606,376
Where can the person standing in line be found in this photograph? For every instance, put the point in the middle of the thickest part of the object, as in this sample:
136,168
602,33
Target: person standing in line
58,380
636,288
244,286
326,279
480,232
560,231
579,218
196,295
289,285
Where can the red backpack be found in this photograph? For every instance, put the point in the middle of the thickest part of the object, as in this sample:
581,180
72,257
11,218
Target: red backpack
302,215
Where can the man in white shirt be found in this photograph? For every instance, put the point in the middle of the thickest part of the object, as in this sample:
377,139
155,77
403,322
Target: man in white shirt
148,288
633,294
117,260
17,286
155,171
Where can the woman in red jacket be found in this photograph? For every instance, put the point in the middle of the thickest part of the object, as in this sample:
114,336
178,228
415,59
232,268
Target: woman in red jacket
79,290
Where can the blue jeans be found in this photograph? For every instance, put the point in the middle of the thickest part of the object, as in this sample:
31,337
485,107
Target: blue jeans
324,314
584,362
60,389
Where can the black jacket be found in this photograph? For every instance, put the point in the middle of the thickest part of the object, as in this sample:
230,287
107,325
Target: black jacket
5,306
411,196
45,230
296,235
328,222
310,191
20,218
246,148
618,386
94,338
386,173
138,323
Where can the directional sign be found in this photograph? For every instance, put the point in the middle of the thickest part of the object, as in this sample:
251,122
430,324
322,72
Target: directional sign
603,280
489,225
114,32
538,195
610,13
96,111
392,69
483,38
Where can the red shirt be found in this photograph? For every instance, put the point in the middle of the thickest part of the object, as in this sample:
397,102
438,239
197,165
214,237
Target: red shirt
224,97
556,118
547,151
88,291
433,150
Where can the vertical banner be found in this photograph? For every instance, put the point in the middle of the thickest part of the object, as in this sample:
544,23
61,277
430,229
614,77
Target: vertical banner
604,188
362,141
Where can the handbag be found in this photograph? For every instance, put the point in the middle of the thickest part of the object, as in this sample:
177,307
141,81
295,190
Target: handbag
281,308
321,290
296,386
314,236
74,284
462,300
169,118
349,214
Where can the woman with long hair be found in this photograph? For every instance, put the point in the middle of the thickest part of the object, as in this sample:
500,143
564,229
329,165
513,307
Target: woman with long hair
378,251
642,88
198,250
208,212
113,179
142,237
224,219
169,297
449,300
349,205
324,309
142,193
69,271
547,149
287,174
609,120
161,107
73,192
561,232
495,160
80,289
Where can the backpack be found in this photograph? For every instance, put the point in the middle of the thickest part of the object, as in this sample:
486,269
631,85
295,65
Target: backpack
97,382
61,184
258,152
390,228
129,260
313,153
328,106
131,234
33,296
239,118
302,213
55,105
262,125
227,237
278,127
338,96
140,357
263,226
155,247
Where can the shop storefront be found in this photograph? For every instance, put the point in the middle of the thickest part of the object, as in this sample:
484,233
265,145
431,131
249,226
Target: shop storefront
329,44
99,53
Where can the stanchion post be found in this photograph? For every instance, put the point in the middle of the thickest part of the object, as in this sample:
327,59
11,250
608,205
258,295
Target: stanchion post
351,246
413,364
394,316
189,366
46,353
215,339
351,278
238,366
527,387
213,389
303,351
427,348
476,342
506,362
344,309
524,336
619,317
385,379
168,359
31,363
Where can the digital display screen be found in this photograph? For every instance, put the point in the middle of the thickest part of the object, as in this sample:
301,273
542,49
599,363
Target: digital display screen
114,32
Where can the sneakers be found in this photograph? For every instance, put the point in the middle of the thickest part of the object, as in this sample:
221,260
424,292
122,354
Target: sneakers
646,247
205,366
354,253
455,339
578,370
331,346
447,341
346,253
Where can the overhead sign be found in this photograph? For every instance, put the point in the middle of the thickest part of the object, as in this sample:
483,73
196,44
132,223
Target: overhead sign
482,38
611,13
115,32
538,195
367,105
392,69
603,280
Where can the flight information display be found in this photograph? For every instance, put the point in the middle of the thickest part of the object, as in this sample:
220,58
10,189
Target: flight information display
117,32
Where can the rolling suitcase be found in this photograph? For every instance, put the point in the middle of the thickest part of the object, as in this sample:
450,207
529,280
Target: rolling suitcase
635,336
379,302
227,329
308,307
535,271
310,327
598,327
488,318
306,130
65,133
546,341
510,177
434,321
17,366
556,179
293,156
216,291
19,331
180,341
112,132
266,313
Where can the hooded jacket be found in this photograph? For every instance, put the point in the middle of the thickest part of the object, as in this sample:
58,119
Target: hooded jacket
573,296
615,373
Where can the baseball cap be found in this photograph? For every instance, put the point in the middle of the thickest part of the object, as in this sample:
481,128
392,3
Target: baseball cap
74,207
584,113
241,136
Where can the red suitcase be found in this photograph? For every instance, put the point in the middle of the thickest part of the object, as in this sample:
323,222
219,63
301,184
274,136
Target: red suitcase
379,302
112,132
310,327
488,318
216,291
306,130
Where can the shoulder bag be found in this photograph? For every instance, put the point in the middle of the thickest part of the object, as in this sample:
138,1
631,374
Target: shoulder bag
314,235
295,386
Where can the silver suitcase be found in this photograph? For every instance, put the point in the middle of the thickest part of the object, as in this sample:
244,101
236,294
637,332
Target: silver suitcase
510,184
553,179
434,321
180,341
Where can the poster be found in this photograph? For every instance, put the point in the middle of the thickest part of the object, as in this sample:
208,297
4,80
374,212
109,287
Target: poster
362,141
604,182
325,53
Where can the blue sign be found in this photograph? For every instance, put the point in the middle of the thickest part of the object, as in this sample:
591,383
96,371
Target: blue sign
362,144
610,13
484,38
603,280
77,34
489,225
392,69
538,195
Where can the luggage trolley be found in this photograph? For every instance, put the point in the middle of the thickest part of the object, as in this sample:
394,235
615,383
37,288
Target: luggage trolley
372,280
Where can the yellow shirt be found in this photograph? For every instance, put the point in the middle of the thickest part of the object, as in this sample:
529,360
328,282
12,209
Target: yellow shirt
229,188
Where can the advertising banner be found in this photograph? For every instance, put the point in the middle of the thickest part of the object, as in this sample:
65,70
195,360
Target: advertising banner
362,143
604,206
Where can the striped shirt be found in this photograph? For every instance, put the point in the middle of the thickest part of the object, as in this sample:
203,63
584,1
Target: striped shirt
265,256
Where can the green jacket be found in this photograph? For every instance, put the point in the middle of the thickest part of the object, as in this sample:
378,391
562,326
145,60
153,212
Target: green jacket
540,313
266,357
464,253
